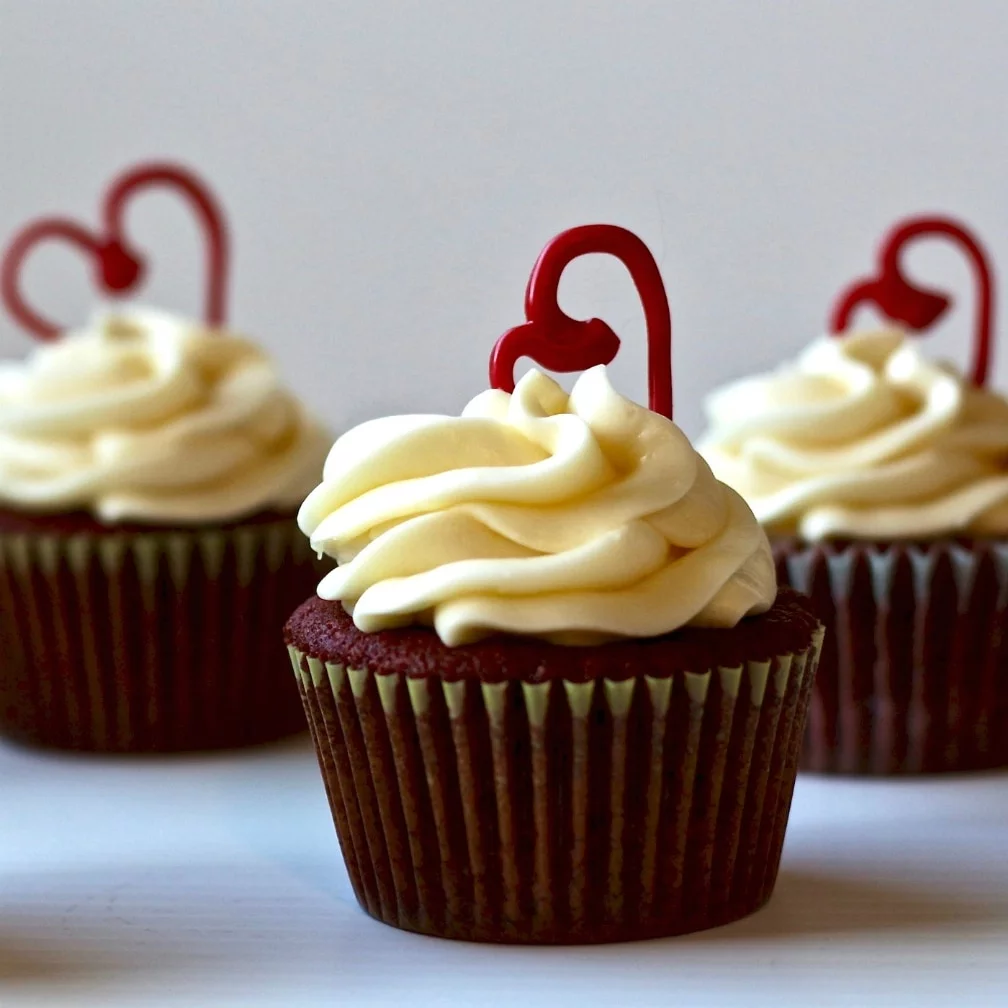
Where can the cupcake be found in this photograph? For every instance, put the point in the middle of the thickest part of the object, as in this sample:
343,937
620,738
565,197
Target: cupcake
150,472
882,480
555,692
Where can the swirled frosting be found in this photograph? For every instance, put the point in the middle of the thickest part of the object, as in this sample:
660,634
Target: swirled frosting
146,418
575,518
863,437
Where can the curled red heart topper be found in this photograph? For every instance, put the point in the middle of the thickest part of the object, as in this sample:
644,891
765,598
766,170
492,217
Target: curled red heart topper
119,267
558,342
916,307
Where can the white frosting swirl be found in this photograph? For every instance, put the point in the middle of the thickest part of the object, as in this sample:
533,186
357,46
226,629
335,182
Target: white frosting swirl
863,437
143,417
573,518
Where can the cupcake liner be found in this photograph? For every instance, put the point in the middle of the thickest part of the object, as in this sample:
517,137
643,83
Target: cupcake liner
139,642
560,811
913,672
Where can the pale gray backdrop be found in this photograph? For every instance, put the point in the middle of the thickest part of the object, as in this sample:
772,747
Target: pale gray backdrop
392,169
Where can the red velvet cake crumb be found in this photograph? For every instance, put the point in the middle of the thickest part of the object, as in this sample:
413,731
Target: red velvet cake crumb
323,629
77,522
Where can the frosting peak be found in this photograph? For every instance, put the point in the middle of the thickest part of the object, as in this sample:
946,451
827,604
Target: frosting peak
144,417
574,518
864,437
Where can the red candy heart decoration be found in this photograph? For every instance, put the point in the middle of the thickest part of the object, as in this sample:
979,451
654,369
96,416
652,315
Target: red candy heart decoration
917,308
558,342
119,268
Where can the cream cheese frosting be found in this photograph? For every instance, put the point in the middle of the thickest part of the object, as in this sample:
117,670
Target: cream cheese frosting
864,437
576,518
143,417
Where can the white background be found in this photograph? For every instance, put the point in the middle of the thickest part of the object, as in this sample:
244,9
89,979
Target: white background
391,170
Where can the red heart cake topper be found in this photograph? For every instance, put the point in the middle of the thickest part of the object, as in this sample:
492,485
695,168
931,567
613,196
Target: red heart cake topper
554,340
918,308
119,268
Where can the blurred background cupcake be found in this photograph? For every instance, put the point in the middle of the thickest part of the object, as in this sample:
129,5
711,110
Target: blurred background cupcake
882,478
150,470
555,692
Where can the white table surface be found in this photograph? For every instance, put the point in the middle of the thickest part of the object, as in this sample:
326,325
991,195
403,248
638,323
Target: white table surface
216,881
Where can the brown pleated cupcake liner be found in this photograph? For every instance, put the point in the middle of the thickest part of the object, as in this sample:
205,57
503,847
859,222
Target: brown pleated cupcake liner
560,812
149,642
914,671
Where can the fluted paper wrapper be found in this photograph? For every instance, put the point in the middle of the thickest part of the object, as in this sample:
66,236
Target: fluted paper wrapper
914,671
560,812
149,642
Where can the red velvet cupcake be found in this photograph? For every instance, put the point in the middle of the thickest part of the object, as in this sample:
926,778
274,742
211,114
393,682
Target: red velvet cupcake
150,471
882,480
555,693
